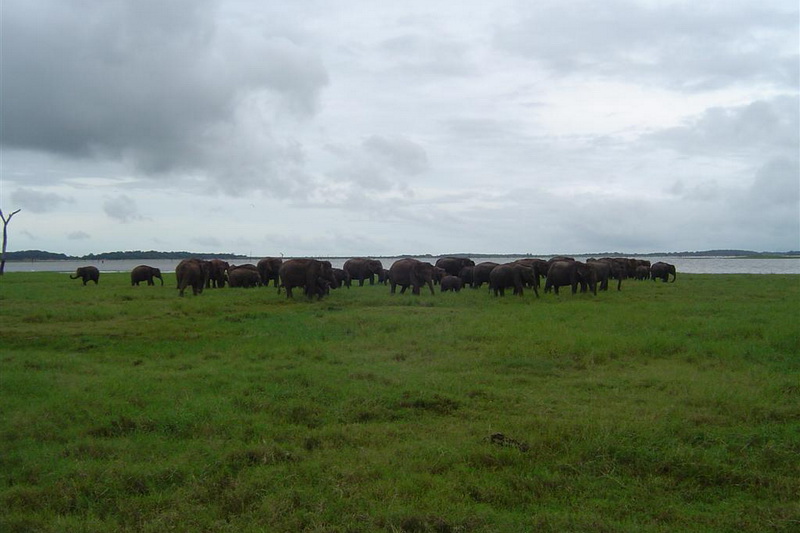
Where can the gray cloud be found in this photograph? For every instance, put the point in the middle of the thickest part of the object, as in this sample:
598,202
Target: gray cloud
78,236
759,127
37,201
428,54
777,183
400,154
121,208
676,45
212,242
166,87
548,126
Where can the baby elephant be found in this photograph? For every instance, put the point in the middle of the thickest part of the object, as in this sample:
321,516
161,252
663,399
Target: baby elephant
89,273
451,283
145,273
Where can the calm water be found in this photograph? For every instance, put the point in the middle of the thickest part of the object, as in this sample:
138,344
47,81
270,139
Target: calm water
692,265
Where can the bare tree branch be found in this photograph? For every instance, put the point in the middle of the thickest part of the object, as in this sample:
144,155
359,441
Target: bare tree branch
5,239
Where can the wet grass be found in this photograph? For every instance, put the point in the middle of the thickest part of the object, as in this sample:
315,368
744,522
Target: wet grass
664,407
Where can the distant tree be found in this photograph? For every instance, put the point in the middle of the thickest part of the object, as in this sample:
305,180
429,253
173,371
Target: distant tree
5,238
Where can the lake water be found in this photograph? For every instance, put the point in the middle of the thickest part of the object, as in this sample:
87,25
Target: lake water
691,265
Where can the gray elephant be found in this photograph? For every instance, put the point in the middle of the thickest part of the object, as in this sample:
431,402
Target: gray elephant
466,275
661,270
341,279
87,273
145,273
451,283
453,265
192,273
539,267
218,273
480,273
563,273
642,272
314,276
244,276
512,275
268,268
438,274
361,268
604,271
410,272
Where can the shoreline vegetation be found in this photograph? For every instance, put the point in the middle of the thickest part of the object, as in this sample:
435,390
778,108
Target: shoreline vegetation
40,255
661,407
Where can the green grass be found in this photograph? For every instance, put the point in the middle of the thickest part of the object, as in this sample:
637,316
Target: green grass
664,407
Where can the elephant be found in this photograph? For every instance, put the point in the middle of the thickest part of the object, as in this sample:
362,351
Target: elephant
633,265
539,266
662,270
515,275
217,276
618,269
466,275
604,270
480,273
145,273
453,265
451,283
268,270
642,272
572,273
192,273
87,273
245,276
340,279
411,272
383,277
361,268
438,274
313,275
558,258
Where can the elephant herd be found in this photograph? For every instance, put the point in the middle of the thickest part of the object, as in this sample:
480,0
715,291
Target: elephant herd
317,277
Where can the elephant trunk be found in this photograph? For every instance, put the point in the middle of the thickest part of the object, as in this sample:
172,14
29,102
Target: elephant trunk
674,275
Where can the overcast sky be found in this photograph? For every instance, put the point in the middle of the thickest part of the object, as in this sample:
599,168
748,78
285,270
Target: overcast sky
318,128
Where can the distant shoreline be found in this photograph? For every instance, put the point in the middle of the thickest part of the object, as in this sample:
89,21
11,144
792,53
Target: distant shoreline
41,256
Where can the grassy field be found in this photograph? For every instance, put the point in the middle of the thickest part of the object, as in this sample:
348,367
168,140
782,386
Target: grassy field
664,407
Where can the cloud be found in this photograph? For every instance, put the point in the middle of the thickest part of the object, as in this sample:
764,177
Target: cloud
211,242
778,183
758,127
400,154
672,44
39,202
121,208
78,236
166,88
